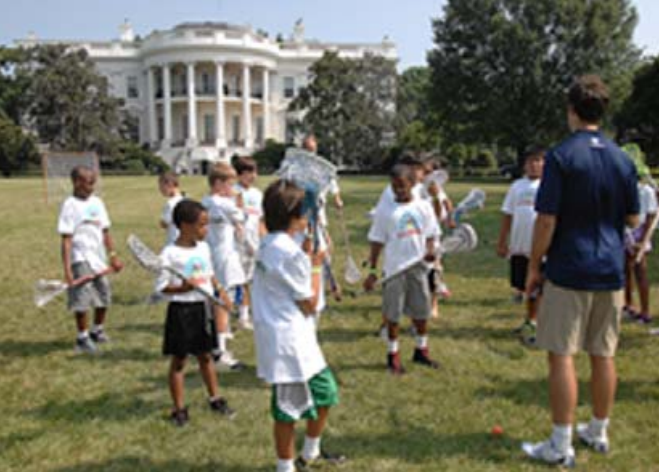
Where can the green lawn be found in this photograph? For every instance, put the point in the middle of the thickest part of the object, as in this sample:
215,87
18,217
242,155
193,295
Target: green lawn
62,412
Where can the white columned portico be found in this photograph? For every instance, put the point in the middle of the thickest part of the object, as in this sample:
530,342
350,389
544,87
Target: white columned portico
266,103
247,107
192,107
221,141
167,96
151,104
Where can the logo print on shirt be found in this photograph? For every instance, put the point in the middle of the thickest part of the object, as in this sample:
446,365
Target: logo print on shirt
195,270
409,225
92,215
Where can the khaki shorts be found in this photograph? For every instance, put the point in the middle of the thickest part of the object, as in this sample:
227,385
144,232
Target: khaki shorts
407,293
573,320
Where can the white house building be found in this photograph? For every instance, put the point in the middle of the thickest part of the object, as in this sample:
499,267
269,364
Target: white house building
204,91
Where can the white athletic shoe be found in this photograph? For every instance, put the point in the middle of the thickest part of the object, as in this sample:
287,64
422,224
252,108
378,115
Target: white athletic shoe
226,362
246,324
547,453
598,443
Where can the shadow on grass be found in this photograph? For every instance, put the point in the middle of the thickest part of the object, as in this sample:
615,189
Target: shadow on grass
244,380
149,328
417,445
33,348
536,391
347,335
143,464
114,354
18,439
472,332
109,407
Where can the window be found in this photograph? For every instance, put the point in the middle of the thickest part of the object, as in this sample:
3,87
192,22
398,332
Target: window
259,130
235,129
209,129
184,126
289,87
207,86
132,88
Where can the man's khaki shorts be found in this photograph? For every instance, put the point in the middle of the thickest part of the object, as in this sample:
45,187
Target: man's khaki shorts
573,320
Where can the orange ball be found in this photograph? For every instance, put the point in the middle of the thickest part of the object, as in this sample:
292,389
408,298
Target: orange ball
497,430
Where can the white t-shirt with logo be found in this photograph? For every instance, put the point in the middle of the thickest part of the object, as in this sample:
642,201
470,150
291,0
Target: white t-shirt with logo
404,232
253,208
85,220
167,218
192,262
520,204
224,215
387,199
287,348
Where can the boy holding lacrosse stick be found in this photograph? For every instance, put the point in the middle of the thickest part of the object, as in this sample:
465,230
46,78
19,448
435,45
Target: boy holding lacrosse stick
189,327
252,199
84,225
286,289
225,234
516,234
637,245
169,188
407,235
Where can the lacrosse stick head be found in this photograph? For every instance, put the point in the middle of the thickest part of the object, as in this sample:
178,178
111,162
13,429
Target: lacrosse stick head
462,239
47,290
305,168
352,274
475,200
438,177
143,255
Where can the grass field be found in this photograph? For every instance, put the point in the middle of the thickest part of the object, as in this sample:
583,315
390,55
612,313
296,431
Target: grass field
62,412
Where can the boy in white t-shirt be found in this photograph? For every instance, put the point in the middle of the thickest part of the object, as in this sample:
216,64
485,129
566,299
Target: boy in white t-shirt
252,204
407,235
516,233
225,235
168,185
84,225
286,287
189,328
634,238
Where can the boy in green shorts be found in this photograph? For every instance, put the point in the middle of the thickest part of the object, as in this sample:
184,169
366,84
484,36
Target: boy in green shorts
284,296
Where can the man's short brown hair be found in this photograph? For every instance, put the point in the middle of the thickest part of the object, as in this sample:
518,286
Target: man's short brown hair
221,172
283,201
589,98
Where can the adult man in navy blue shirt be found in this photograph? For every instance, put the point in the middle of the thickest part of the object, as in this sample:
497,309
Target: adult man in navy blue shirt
587,196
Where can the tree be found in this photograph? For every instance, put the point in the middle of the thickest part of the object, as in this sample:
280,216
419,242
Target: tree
70,104
17,151
639,117
500,67
350,106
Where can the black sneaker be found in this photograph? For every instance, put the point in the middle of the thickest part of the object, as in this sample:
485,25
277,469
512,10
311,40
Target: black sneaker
179,417
86,345
303,465
421,356
332,458
394,365
221,406
99,336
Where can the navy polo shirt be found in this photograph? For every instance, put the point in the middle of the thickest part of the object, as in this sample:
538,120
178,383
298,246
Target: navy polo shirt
590,185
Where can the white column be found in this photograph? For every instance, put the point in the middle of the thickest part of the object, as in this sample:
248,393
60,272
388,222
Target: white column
192,107
266,104
151,104
221,141
247,107
167,95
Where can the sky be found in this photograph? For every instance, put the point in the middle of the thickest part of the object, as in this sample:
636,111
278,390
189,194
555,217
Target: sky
407,22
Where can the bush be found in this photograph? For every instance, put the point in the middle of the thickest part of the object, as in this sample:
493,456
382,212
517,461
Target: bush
132,157
270,156
134,166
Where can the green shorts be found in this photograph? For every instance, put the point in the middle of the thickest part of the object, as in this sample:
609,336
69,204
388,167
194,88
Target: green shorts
324,392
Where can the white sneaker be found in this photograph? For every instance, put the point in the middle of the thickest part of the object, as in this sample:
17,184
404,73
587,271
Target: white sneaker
546,452
226,362
598,443
246,324
86,346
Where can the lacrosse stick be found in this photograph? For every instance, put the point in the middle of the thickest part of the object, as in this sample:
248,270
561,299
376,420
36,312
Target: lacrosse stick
438,177
152,262
462,239
475,200
351,274
384,280
46,290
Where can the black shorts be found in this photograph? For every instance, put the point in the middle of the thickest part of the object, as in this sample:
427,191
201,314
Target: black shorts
519,266
433,275
189,330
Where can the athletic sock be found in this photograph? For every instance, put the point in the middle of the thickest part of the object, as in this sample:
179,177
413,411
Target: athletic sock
561,437
97,328
285,465
311,449
243,313
221,342
83,334
598,427
392,346
421,341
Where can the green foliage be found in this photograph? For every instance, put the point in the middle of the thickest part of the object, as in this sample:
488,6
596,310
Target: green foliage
417,137
270,156
348,105
17,150
500,67
639,118
133,158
